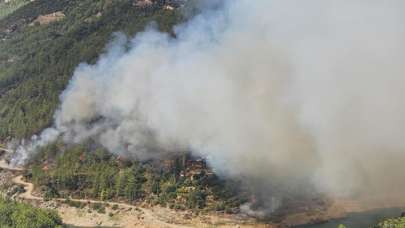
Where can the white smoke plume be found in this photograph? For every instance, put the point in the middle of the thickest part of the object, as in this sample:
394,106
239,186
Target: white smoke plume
286,92
25,149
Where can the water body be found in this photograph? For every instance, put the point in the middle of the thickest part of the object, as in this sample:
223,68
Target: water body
360,220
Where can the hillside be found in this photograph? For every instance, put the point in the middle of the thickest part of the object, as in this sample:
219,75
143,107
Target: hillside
179,182
201,113
37,60
42,42
7,7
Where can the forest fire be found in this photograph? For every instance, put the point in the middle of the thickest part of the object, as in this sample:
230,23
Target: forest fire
296,104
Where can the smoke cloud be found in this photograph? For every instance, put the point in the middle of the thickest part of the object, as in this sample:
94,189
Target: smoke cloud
284,93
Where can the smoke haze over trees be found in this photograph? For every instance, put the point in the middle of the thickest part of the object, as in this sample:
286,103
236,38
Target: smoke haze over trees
289,95
37,62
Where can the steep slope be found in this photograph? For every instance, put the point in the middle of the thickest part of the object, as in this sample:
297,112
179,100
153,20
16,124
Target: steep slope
9,6
41,44
37,60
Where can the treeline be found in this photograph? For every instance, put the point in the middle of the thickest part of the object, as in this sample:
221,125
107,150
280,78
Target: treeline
37,61
84,172
19,215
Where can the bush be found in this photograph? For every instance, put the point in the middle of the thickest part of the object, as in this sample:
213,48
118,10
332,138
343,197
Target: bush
178,206
99,207
219,206
196,199
13,214
75,204
51,192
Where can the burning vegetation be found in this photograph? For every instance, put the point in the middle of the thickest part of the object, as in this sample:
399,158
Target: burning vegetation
296,104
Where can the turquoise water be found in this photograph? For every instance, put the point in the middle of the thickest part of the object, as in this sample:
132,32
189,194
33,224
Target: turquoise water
360,220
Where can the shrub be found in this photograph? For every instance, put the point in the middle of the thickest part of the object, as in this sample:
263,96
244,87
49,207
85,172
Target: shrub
99,207
13,214
75,204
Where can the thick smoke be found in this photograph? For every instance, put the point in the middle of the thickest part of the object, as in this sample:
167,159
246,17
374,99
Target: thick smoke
284,93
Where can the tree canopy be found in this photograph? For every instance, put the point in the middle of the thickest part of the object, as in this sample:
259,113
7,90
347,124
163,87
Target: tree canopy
37,61
19,215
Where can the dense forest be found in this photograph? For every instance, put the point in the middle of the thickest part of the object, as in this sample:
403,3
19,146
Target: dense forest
19,215
180,182
38,59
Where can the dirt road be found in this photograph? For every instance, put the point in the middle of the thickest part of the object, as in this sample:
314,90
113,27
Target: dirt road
69,214
147,216
126,215
28,187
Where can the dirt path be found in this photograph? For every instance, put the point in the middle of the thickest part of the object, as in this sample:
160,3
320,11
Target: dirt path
68,216
147,215
28,187
126,215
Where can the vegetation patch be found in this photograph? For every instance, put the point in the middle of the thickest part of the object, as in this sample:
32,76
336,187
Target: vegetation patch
13,214
8,7
85,172
75,204
37,61
99,207
392,223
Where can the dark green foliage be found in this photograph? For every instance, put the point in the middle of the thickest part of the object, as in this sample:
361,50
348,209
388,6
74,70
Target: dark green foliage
134,182
100,208
81,171
51,192
75,203
155,187
196,199
7,8
19,215
25,14
36,62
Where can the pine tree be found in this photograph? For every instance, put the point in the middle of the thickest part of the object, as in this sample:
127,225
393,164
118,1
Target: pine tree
120,184
130,188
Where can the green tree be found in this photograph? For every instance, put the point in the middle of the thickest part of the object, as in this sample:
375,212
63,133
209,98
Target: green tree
120,184
135,180
155,186
196,199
